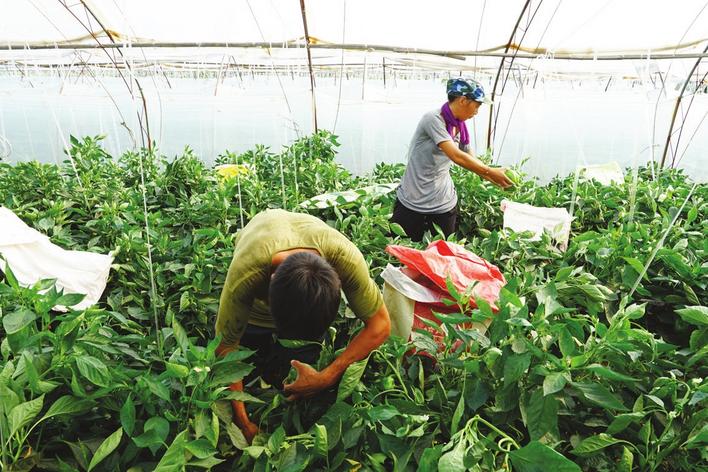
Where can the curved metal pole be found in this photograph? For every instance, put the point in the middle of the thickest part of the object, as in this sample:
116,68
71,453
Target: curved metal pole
676,108
309,65
135,79
501,65
144,130
674,162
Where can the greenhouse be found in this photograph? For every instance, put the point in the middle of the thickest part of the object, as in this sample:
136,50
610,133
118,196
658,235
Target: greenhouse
353,236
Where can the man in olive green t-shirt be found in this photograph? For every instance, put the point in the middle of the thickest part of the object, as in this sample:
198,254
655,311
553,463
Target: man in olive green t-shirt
285,278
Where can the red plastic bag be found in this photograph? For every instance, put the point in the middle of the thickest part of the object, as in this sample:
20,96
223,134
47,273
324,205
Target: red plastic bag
423,284
442,259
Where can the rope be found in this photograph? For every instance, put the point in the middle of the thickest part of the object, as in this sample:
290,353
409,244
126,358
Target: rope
660,244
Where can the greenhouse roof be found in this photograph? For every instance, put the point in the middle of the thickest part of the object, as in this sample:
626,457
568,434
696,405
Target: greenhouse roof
589,30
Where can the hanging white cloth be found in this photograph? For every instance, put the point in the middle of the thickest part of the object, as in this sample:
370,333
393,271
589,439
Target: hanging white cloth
607,174
522,217
33,257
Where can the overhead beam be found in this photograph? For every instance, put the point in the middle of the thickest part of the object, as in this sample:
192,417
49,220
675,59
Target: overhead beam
356,47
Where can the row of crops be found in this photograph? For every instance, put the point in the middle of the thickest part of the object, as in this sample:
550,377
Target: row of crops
595,361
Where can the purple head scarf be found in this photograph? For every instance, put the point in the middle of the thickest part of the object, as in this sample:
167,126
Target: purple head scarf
451,121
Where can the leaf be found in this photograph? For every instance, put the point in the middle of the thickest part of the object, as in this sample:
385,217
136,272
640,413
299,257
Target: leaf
15,321
398,230
180,335
296,343
566,342
453,460
537,457
621,422
200,423
636,264
94,370
382,412
453,318
8,400
206,463
70,299
658,401
174,458
515,366
107,446
598,394
351,378
595,443
127,416
541,415
626,461
254,451
276,439
451,289
635,312
183,302
212,434
200,448
155,432
238,355
236,436
692,215
690,294
11,279
554,383
157,388
176,371
699,439
228,373
563,274
321,440
697,398
67,405
476,394
697,315
607,373
38,385
241,397
22,414
457,415
429,459
518,321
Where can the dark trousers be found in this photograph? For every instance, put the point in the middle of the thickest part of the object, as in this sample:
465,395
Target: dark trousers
271,359
415,224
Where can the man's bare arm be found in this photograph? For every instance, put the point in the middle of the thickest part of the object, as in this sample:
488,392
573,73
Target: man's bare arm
310,381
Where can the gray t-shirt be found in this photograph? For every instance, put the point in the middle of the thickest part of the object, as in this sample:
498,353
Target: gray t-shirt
426,186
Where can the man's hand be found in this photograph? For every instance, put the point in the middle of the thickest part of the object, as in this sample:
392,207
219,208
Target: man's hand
247,427
249,431
497,176
307,383
310,381
468,161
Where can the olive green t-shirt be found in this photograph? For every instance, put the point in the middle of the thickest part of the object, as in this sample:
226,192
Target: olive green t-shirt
244,298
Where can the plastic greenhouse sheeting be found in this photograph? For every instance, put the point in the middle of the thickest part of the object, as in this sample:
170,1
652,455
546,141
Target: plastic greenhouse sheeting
232,74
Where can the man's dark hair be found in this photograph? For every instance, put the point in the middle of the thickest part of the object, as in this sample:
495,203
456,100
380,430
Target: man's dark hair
451,97
304,296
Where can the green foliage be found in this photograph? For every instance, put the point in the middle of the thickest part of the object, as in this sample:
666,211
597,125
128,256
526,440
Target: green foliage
594,360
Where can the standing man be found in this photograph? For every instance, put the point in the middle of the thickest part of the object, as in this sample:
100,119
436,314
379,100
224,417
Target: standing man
427,195
286,279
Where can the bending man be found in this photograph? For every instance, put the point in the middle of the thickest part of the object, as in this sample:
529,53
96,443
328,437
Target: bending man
286,279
